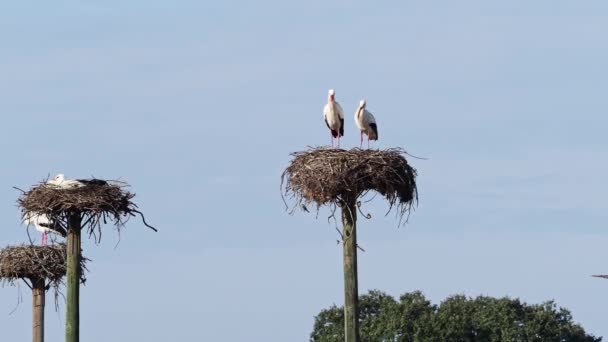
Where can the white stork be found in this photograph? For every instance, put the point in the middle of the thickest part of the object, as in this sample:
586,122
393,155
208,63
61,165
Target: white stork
334,117
60,181
43,224
366,123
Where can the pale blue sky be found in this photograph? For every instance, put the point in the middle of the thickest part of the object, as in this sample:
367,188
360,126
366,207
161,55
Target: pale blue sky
199,104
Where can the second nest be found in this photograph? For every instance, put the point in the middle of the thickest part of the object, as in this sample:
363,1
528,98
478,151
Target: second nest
324,176
36,262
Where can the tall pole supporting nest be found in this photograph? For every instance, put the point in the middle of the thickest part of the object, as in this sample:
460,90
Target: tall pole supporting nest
38,302
338,178
351,286
72,322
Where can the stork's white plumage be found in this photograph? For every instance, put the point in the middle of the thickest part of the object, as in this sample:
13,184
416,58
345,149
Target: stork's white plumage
43,224
334,117
366,123
61,182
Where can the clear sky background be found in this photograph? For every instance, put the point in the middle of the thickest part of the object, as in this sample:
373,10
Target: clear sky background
198,104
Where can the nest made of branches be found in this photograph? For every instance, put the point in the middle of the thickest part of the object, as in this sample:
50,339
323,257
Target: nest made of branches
36,262
333,176
97,202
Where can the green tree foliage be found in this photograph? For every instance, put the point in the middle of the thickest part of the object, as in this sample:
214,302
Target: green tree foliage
458,318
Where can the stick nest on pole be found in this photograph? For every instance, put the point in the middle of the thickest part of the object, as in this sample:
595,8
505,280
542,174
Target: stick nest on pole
330,176
98,202
36,262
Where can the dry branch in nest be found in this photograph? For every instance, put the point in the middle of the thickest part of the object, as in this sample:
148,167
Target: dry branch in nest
36,262
96,202
331,176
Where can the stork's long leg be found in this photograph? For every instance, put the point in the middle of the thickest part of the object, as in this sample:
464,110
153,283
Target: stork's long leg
361,140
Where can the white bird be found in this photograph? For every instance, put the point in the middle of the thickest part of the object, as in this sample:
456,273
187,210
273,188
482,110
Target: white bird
366,123
60,181
43,224
334,117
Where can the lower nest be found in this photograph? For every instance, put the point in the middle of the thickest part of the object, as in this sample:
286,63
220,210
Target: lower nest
323,176
35,262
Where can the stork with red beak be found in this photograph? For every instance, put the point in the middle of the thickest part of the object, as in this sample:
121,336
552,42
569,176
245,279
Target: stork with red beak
366,123
334,117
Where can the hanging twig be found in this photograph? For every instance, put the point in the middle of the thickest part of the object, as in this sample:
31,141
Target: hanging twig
367,216
19,299
23,191
144,220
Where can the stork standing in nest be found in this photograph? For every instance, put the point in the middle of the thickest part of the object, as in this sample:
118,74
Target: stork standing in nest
334,117
366,123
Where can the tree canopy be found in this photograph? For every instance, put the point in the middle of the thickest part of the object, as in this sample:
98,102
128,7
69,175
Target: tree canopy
460,319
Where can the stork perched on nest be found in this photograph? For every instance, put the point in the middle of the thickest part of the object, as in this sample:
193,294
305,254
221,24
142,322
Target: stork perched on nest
45,225
60,181
334,117
366,123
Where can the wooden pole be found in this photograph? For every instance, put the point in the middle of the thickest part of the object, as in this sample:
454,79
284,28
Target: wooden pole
38,292
351,290
72,322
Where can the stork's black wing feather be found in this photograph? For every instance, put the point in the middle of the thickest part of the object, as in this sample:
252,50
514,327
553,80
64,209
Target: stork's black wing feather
374,128
56,227
342,127
92,181
334,133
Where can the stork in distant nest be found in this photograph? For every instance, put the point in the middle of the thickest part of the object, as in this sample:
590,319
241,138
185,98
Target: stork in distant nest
366,123
334,117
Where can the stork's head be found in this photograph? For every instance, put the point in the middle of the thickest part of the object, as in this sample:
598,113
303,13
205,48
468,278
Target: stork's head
331,94
362,104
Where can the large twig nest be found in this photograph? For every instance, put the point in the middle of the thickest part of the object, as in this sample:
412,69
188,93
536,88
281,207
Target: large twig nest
97,202
36,262
332,176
